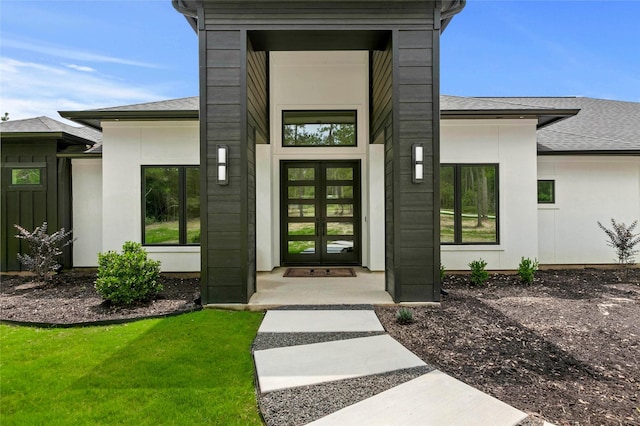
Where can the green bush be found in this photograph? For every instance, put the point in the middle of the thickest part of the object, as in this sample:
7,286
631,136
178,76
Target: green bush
443,272
404,316
527,269
479,274
128,277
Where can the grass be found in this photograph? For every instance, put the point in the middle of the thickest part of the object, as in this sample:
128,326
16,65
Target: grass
191,369
168,232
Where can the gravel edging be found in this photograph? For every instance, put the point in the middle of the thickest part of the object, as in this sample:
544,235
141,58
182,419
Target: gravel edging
279,340
305,404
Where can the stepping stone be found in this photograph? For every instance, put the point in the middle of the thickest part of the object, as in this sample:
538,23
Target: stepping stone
432,399
317,321
294,366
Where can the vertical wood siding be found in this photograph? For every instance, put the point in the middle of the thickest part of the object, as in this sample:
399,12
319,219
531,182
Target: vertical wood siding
29,207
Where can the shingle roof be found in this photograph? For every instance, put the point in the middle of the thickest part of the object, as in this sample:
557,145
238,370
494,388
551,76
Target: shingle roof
463,103
181,104
601,125
46,125
182,108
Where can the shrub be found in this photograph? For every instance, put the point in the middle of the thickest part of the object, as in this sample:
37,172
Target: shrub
443,272
479,274
128,277
622,238
527,269
44,249
404,316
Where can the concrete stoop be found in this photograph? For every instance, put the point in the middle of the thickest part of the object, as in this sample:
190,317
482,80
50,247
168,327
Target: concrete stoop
431,399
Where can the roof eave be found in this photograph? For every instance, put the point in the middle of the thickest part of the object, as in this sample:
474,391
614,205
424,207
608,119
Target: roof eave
545,117
94,118
54,136
603,152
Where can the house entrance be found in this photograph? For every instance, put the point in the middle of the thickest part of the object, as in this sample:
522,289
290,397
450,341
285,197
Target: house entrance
320,212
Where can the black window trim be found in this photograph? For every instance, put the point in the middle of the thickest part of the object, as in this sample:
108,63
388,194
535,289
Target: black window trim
457,223
553,191
10,167
321,111
182,197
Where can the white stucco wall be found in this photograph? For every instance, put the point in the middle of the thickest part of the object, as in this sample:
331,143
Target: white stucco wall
510,143
86,191
126,147
316,81
588,189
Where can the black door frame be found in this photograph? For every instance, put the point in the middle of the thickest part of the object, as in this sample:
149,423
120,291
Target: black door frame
321,257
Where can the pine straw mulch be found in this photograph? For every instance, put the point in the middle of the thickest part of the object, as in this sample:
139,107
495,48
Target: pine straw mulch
566,348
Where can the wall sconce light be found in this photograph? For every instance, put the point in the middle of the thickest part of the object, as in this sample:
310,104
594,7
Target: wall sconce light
223,164
417,156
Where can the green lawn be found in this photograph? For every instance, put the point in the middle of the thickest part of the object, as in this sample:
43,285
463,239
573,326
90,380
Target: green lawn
191,369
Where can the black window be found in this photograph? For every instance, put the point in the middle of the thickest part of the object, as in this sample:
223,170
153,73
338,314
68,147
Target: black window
171,205
25,176
319,128
469,204
546,191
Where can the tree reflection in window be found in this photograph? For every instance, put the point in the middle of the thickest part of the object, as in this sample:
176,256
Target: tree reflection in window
171,205
319,128
469,204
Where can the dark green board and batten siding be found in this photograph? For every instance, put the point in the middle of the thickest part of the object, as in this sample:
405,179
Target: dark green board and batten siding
30,206
234,99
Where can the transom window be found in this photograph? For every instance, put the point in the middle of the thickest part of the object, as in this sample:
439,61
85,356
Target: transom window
469,204
25,176
171,205
319,128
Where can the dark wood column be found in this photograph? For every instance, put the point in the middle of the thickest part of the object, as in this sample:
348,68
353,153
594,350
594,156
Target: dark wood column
413,249
225,208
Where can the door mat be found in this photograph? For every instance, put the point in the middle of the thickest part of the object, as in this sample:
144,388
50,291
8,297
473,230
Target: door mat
319,272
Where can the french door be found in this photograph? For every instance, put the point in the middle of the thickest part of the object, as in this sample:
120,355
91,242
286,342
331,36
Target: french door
320,212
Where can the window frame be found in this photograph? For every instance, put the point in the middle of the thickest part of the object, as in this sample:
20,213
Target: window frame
553,191
457,200
182,201
10,167
321,112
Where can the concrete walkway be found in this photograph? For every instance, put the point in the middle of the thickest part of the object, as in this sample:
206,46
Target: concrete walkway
431,399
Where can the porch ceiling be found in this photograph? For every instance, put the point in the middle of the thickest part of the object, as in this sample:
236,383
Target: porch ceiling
295,40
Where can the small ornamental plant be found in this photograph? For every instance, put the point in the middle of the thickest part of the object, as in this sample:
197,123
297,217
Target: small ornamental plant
44,250
622,238
404,316
527,269
443,272
129,277
479,274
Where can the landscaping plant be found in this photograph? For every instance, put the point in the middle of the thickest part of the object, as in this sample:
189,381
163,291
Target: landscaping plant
622,238
128,277
479,274
404,316
527,269
44,249
442,272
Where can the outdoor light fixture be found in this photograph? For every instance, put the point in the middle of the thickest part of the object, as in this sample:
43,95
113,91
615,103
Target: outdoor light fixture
223,164
418,162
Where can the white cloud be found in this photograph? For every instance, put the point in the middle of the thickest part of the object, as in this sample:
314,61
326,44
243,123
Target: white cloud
80,68
29,89
69,53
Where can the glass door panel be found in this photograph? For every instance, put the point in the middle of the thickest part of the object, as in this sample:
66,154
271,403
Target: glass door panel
320,212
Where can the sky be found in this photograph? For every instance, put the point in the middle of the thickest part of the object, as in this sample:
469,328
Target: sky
75,55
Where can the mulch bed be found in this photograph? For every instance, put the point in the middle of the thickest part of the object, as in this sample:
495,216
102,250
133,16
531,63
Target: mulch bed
70,298
566,348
